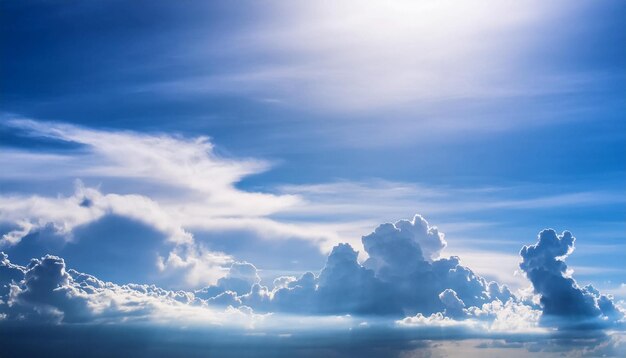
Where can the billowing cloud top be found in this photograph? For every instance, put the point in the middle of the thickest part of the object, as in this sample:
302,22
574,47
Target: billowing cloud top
561,298
396,281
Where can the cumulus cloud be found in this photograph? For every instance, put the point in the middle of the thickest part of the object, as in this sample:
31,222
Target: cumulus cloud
397,279
238,281
45,291
391,247
562,299
510,317
195,264
404,291
9,274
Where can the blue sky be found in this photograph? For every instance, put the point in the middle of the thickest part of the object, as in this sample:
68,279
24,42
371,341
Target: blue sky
156,142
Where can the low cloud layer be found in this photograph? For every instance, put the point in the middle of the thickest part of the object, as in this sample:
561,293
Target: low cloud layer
46,291
398,282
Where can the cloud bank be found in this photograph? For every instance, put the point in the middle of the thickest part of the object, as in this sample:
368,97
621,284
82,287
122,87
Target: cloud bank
404,294
397,280
46,291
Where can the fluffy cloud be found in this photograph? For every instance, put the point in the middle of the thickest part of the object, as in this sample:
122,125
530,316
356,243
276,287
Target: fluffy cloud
562,299
240,277
86,205
454,306
45,291
423,239
397,281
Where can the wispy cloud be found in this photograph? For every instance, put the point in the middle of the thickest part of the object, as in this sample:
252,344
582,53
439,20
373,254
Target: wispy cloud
197,191
356,198
362,56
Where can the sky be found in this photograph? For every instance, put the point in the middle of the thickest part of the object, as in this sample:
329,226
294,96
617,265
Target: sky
293,178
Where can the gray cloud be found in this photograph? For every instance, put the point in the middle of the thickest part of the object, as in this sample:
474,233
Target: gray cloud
564,303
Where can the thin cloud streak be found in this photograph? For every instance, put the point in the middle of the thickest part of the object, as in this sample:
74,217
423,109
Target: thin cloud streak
341,59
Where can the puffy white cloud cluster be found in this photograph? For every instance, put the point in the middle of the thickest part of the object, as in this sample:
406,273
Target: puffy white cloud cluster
397,280
45,291
240,278
402,276
512,316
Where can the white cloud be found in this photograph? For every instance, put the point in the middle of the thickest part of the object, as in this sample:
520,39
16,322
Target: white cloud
403,279
85,206
50,292
436,319
197,186
198,265
189,165
509,317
